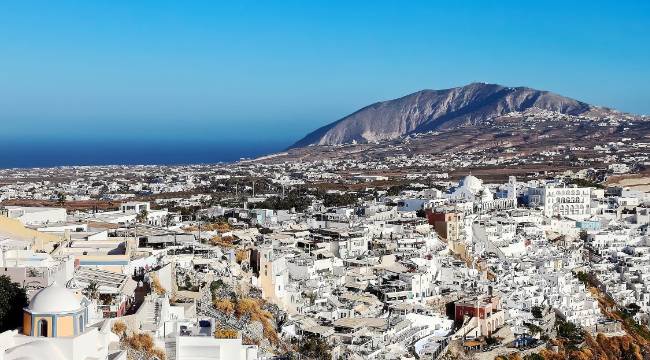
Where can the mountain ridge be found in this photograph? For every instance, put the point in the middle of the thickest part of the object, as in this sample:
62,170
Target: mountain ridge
430,110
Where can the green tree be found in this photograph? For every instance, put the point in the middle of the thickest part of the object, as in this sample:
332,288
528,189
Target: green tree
395,190
533,329
142,216
169,219
632,309
585,183
536,311
583,235
92,291
292,200
583,277
347,199
12,301
60,198
570,331
313,348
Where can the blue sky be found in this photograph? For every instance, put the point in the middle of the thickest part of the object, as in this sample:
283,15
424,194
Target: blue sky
274,70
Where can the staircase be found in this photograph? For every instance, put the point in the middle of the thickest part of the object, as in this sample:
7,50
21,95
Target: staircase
170,347
151,316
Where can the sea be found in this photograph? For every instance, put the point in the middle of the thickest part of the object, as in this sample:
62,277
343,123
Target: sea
30,153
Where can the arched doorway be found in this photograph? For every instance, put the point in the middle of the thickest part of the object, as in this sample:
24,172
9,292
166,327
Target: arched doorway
42,328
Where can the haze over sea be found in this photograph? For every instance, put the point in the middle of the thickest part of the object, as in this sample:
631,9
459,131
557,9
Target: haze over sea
42,153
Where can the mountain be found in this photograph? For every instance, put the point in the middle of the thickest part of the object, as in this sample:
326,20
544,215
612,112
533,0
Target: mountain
429,110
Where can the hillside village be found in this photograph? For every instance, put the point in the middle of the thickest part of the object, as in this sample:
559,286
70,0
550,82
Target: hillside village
329,259
324,180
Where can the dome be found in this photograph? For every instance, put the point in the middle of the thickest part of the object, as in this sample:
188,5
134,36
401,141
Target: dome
55,299
472,183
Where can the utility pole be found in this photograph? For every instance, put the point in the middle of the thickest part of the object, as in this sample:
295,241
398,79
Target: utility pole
135,234
197,217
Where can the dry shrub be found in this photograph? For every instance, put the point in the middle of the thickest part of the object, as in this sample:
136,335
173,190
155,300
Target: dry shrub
226,241
144,342
246,340
253,308
602,348
141,342
119,328
224,305
246,306
218,226
215,240
514,356
156,286
226,334
241,255
159,353
550,355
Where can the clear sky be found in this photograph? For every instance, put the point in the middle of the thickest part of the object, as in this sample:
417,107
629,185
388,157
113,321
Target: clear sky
277,69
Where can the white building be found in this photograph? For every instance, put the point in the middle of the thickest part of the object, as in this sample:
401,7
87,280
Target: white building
35,215
55,327
574,202
196,342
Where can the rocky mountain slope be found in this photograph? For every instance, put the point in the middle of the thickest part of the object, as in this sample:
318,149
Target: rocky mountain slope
430,110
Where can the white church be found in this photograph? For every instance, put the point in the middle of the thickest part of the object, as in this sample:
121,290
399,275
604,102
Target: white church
55,327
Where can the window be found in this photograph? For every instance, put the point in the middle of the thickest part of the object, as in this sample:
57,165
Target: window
42,328
81,324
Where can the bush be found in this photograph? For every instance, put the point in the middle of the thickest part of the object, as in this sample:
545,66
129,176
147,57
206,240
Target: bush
141,342
583,277
299,202
339,199
226,334
570,331
156,286
224,305
314,348
395,190
144,342
533,329
221,226
216,285
226,241
533,357
119,328
241,255
253,309
585,183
